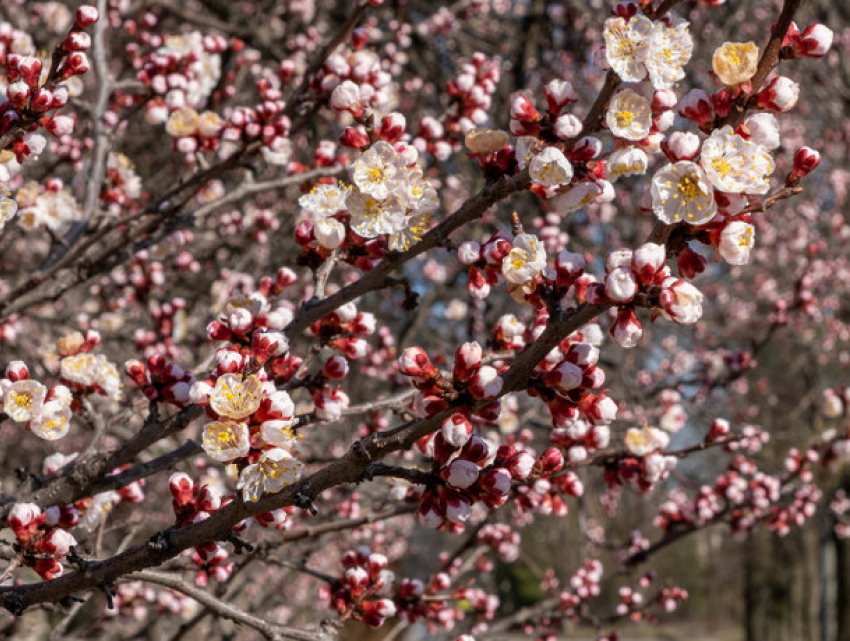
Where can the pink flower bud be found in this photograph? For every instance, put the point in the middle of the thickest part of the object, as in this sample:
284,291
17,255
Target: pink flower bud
48,569
336,367
268,343
520,465
648,260
17,371
621,285
565,377
485,383
347,97
814,42
664,100
681,145
182,488
77,41
209,498
559,94
805,160
60,125
719,429
392,127
458,509
523,110
414,362
24,518
469,252
550,461
86,16
57,543
29,68
568,126
496,481
626,330
467,360
427,513
781,94
696,106
456,429
18,94
461,474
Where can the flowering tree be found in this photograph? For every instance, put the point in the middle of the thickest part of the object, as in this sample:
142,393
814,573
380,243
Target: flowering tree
363,284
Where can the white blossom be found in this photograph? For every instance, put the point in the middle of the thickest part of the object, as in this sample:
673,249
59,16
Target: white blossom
629,115
274,470
735,165
525,261
736,242
680,191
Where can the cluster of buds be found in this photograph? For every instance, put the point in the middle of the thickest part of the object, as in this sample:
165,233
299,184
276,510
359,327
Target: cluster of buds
502,539
471,90
32,94
548,485
39,545
569,380
46,412
254,327
471,380
192,504
359,593
161,380
345,330
167,318
584,586
180,70
84,372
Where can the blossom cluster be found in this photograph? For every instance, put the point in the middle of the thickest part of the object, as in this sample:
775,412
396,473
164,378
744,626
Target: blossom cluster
193,503
46,411
389,196
41,544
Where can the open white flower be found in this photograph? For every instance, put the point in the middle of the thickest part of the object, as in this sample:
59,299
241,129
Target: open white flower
736,242
371,217
550,168
279,432
626,46
275,469
641,442
735,62
629,115
226,440
236,398
24,400
379,171
629,161
415,227
735,165
53,421
325,200
525,261
526,148
8,207
681,191
418,195
669,50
